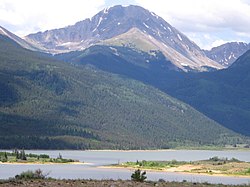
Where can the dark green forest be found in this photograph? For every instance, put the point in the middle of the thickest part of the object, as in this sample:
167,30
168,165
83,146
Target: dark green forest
49,104
221,95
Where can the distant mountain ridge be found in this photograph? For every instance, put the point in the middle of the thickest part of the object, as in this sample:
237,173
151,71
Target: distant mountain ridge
117,21
227,53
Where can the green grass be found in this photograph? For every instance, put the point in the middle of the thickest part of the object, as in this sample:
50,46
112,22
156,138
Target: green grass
214,165
155,165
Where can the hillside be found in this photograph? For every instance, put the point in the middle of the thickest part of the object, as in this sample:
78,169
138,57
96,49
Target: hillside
46,103
125,61
19,40
127,26
222,95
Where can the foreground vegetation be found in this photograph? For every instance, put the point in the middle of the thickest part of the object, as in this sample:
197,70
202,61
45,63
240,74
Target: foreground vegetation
38,178
212,166
106,183
20,157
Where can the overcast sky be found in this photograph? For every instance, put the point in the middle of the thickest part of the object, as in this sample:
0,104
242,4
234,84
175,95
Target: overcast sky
209,23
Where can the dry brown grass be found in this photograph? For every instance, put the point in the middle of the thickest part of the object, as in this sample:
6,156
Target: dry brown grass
103,183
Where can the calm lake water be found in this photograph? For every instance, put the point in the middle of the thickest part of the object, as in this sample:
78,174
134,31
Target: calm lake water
101,158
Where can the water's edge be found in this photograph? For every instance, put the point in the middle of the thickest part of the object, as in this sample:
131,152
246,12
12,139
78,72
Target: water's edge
96,158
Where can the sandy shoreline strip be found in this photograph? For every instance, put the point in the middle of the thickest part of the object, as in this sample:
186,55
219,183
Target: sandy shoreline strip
151,150
171,170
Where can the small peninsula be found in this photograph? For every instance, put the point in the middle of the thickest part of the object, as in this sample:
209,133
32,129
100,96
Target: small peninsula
20,157
211,166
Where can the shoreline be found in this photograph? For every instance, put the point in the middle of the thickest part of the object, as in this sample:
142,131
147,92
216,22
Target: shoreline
140,150
174,171
148,150
43,163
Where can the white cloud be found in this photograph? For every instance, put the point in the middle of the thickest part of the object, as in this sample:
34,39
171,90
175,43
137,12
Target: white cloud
210,40
206,17
219,42
202,14
28,16
204,21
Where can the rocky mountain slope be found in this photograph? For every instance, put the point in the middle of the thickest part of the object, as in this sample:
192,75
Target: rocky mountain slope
227,54
119,23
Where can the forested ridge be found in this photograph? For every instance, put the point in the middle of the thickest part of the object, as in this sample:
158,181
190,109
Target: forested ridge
49,104
221,95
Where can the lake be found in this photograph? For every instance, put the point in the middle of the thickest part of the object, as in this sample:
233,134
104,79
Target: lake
94,159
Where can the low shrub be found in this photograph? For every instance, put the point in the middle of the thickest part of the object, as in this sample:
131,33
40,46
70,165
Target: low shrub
37,174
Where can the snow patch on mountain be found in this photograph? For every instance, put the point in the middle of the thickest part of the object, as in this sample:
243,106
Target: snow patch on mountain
114,50
106,10
153,14
180,38
100,20
184,64
145,25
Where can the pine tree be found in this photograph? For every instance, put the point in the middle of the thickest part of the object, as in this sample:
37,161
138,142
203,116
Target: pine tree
17,154
59,156
138,176
5,156
22,155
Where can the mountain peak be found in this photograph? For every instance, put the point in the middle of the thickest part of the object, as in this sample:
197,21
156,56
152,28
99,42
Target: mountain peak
114,21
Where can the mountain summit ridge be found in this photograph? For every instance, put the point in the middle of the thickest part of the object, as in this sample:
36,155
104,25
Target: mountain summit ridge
114,21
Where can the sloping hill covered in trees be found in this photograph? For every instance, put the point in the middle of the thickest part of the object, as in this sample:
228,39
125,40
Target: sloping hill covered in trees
222,95
46,103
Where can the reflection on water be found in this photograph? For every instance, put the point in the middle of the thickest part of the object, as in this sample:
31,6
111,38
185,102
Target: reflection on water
99,158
